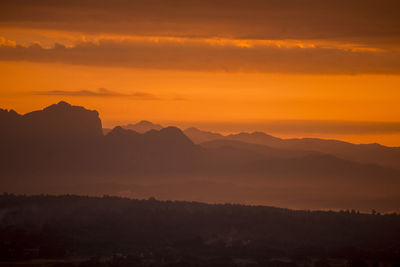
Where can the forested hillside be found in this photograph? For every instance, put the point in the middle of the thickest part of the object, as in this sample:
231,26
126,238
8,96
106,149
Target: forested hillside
161,233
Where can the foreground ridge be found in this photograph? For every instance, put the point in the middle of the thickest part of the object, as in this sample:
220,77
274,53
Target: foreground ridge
191,233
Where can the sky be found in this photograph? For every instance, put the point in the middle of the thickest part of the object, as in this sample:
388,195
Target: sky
328,69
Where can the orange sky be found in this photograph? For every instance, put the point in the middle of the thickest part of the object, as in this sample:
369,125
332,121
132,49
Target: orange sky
228,71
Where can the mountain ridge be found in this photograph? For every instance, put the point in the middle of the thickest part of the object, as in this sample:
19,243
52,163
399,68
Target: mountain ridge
67,148
365,153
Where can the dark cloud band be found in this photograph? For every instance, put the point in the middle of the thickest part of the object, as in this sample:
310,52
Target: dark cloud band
202,56
365,21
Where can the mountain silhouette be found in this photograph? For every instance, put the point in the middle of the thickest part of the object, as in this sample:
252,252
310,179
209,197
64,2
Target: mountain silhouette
262,150
364,153
294,166
63,138
199,136
164,150
143,126
63,146
59,137
61,121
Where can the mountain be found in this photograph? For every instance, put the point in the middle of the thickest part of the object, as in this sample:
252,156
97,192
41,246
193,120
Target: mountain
364,153
59,137
297,166
62,149
62,121
140,127
66,139
256,138
199,136
143,126
261,150
165,150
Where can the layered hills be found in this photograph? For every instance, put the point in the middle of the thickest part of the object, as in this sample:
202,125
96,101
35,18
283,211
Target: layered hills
62,149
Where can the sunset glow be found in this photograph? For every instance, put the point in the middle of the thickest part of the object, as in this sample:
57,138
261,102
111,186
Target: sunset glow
200,133
194,71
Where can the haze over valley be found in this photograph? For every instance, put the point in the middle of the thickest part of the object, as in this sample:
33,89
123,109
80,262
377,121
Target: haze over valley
64,149
199,133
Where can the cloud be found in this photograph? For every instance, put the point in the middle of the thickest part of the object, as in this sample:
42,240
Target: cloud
198,55
373,21
101,92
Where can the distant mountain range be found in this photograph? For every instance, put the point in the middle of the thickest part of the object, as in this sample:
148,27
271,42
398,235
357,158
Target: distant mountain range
62,140
363,153
140,127
143,126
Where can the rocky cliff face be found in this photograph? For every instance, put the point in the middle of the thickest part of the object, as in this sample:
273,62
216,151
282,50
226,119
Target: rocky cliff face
59,137
64,121
65,138
60,121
